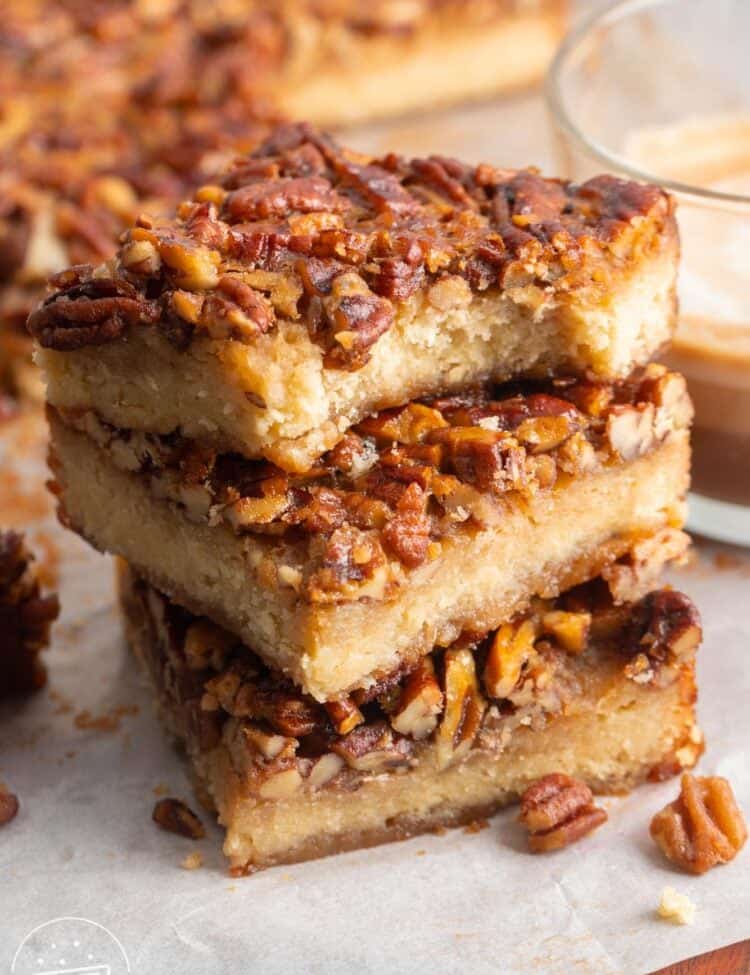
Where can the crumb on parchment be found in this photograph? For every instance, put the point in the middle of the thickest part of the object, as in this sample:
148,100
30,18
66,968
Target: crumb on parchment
675,907
192,861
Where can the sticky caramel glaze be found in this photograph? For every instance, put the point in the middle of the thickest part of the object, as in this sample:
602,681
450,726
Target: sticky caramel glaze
715,359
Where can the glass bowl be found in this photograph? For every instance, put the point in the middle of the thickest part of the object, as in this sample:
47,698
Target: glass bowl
659,91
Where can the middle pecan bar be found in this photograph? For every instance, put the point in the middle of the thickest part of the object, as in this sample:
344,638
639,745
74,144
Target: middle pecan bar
310,286
422,522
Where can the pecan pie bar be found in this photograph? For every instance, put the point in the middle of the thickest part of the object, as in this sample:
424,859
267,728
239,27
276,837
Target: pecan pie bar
355,60
332,61
579,685
422,521
72,182
310,286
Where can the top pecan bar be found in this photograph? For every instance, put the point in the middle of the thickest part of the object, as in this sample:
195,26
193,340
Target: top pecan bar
309,286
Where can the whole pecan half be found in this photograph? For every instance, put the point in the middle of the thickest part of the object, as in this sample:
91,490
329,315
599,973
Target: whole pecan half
703,827
93,311
558,810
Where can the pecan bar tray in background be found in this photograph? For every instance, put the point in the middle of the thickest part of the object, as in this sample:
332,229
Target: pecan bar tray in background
579,685
116,109
335,61
423,521
309,286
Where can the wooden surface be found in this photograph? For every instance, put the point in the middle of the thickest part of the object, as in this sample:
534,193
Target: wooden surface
732,960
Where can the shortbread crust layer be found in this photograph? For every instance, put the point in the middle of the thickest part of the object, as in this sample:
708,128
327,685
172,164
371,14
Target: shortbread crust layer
334,601
610,701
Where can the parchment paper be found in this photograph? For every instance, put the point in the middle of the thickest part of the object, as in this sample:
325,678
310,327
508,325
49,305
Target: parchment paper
87,759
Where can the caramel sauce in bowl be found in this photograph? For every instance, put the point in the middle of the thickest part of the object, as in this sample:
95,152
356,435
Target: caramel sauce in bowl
715,359
712,344
659,91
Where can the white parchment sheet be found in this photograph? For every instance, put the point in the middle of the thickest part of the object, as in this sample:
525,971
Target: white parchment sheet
84,845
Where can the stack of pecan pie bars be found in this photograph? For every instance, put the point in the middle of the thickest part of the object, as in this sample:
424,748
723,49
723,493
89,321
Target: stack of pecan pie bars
392,478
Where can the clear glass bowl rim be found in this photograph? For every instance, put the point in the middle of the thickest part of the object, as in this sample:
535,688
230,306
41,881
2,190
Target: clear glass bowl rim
580,34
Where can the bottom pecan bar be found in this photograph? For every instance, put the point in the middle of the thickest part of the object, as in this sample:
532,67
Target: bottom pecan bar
578,685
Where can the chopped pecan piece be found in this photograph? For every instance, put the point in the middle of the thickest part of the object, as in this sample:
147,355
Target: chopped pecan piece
242,693
176,817
512,647
665,627
464,707
324,770
631,430
344,715
280,198
288,711
419,703
207,645
409,425
353,561
373,748
703,827
8,805
558,810
490,459
358,319
631,577
543,433
570,629
235,311
408,532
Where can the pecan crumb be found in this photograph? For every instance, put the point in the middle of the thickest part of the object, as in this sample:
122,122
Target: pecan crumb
192,861
675,907
8,805
558,810
703,827
176,817
476,826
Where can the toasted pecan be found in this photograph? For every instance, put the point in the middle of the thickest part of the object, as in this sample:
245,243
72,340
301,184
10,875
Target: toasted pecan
703,827
558,810
175,816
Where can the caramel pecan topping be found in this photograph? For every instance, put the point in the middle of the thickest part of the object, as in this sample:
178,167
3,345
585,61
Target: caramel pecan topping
703,827
558,810
26,616
352,237
176,817
468,696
